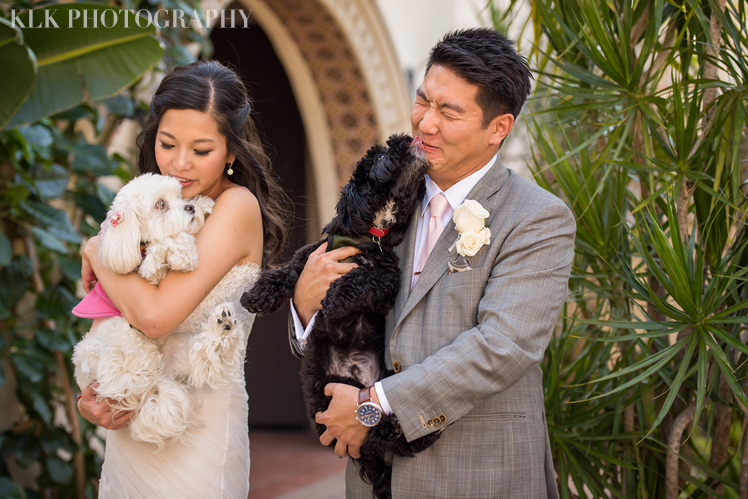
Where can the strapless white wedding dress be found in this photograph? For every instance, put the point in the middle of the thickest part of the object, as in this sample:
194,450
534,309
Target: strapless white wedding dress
212,462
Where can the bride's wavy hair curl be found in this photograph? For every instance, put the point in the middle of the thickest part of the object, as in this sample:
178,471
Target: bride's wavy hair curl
210,87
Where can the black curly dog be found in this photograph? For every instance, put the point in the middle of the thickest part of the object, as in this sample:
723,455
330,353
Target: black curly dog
346,344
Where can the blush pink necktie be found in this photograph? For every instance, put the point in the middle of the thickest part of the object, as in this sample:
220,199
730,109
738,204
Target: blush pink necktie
439,206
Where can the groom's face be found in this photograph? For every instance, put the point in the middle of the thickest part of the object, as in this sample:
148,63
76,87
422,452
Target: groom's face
448,119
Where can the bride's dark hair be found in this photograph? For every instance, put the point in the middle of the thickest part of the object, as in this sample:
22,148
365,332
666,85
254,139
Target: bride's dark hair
210,87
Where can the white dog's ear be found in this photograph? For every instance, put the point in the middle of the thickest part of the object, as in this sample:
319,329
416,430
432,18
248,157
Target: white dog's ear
120,240
203,203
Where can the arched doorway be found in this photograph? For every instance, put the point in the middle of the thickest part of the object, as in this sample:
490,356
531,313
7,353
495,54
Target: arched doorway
275,398
327,86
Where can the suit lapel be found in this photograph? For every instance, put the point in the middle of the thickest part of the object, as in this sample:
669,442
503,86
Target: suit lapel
436,265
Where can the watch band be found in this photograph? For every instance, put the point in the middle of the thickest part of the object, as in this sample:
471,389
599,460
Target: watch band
364,395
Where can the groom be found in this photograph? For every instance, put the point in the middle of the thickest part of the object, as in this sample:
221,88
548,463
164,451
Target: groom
466,345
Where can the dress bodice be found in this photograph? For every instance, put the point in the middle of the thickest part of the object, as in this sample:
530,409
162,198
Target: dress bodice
229,289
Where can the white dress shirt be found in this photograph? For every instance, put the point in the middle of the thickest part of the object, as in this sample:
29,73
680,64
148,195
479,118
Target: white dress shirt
455,196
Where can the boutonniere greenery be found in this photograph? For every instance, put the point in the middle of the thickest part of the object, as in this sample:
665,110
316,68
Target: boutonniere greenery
473,232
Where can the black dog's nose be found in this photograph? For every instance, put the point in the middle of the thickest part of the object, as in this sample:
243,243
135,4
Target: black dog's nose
189,209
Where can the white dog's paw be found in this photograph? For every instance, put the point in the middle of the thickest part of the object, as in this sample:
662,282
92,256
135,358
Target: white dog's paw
216,354
225,319
152,269
182,252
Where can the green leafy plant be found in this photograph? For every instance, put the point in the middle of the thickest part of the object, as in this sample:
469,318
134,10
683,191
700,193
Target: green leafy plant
71,60
639,122
51,200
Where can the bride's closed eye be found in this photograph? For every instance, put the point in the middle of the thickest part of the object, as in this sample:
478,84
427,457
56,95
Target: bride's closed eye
199,153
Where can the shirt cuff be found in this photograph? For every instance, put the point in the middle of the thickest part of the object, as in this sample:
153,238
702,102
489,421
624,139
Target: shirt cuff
299,330
382,398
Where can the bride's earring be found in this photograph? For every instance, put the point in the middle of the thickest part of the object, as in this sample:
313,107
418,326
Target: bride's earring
230,171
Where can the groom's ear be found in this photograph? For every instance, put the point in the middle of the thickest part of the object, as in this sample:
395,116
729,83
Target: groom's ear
500,127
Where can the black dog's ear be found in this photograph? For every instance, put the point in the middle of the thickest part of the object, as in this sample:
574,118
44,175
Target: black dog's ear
382,168
399,138
349,217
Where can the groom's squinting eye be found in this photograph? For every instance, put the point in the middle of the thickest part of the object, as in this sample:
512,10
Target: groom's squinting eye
161,204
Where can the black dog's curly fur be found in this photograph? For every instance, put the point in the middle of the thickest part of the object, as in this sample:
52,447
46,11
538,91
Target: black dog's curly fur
346,344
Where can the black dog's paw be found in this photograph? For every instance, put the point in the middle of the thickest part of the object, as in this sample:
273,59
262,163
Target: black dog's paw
273,289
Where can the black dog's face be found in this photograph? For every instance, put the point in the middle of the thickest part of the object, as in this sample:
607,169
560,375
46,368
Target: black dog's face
386,186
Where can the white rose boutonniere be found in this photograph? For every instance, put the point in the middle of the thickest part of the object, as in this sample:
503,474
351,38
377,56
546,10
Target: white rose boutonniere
470,222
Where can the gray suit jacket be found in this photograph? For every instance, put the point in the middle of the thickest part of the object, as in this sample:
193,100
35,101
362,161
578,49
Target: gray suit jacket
468,346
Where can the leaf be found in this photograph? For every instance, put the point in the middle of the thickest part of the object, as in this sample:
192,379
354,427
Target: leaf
37,135
40,406
48,240
54,439
55,222
120,105
5,250
93,206
16,55
675,385
4,312
50,183
14,281
104,194
52,340
31,368
70,267
10,489
726,368
26,451
99,61
59,471
55,301
91,158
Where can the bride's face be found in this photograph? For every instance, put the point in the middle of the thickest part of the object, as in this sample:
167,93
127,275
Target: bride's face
190,148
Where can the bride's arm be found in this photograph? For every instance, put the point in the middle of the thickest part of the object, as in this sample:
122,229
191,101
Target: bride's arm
232,233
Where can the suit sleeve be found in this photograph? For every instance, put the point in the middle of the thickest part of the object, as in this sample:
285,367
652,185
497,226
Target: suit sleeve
517,312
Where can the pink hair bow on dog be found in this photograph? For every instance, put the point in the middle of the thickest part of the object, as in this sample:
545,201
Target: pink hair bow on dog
114,221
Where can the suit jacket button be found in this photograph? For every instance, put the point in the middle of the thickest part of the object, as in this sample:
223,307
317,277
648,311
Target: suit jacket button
396,366
442,418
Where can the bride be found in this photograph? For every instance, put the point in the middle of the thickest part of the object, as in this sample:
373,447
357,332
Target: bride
199,131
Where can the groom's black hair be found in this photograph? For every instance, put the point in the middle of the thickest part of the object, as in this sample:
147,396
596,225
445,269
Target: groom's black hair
486,58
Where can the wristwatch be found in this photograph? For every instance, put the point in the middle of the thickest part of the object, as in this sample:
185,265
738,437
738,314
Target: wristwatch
368,413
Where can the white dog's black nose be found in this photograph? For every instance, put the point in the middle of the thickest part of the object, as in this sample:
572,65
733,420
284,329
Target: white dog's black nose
189,209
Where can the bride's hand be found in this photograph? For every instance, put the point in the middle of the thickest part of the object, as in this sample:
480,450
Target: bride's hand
89,257
101,413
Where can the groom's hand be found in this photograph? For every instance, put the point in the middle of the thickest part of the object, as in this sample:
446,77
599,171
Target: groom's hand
340,420
320,271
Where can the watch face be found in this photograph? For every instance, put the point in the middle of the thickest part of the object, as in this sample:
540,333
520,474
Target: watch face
368,414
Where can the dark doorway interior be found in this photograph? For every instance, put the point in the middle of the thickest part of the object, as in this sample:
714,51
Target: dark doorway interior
275,398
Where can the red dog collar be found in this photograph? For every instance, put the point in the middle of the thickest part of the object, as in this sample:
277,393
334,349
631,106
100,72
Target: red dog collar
374,231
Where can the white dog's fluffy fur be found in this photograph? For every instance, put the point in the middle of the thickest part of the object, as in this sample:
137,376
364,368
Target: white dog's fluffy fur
155,377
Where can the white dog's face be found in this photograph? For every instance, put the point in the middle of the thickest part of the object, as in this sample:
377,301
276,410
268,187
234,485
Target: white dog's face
161,209
148,208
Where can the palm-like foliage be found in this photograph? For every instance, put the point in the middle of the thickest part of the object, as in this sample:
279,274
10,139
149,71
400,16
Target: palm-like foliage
639,122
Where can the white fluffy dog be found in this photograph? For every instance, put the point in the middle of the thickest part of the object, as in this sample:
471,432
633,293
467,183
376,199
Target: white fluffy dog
154,377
